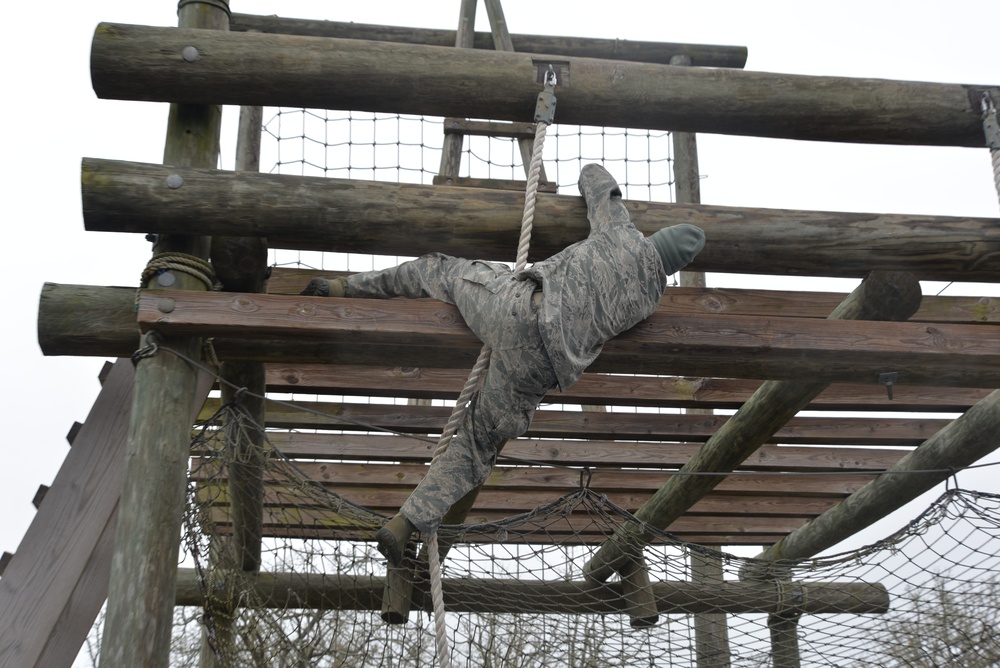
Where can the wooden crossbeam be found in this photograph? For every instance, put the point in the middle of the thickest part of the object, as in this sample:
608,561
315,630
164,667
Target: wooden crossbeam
592,452
606,389
701,55
352,592
559,481
141,63
313,213
431,333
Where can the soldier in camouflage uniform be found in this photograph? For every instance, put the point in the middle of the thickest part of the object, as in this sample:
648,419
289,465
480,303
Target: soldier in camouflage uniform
545,325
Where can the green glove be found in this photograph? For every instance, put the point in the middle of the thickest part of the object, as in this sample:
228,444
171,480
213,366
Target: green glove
678,245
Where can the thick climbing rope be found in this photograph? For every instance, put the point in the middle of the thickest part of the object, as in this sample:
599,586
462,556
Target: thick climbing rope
544,111
991,128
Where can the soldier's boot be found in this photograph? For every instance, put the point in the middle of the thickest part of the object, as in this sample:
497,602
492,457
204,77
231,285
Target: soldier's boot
392,538
322,287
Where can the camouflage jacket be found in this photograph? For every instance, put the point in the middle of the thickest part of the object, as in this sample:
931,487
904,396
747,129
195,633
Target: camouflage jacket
598,287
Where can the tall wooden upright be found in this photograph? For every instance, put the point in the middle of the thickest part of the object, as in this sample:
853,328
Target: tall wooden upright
144,566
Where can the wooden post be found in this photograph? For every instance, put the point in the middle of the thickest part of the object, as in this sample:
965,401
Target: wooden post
240,264
711,632
882,295
140,597
451,150
784,628
959,444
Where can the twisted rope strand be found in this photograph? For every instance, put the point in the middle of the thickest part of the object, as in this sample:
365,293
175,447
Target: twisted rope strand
462,403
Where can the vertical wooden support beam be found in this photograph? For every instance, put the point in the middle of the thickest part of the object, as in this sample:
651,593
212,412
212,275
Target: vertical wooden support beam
784,628
503,42
640,603
141,593
451,150
241,266
711,630
881,296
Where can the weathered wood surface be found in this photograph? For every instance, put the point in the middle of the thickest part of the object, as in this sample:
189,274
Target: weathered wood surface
313,213
607,390
737,301
555,481
326,524
85,320
592,452
876,431
56,583
329,592
139,617
82,320
704,346
144,63
702,55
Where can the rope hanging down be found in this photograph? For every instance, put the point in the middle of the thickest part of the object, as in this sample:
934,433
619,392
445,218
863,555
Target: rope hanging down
544,113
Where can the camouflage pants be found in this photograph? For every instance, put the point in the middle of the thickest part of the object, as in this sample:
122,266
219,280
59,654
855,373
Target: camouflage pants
499,309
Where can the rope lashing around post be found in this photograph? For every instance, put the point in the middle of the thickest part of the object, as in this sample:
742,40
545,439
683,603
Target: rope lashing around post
991,129
191,265
545,107
201,270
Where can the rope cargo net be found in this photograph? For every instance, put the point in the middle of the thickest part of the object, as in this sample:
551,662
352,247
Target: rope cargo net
928,594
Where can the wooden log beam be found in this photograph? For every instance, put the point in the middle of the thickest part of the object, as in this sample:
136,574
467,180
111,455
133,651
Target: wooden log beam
558,481
707,346
139,617
145,63
80,320
85,320
960,444
500,501
607,390
881,296
701,55
592,452
352,592
313,213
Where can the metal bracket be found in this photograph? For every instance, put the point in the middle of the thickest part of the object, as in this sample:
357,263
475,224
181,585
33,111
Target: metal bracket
888,379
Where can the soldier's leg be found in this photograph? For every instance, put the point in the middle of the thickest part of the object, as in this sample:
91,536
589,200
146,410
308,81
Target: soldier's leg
516,381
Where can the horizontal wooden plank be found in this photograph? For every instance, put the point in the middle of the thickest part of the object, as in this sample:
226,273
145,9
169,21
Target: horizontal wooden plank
707,346
142,63
877,431
592,452
701,55
607,389
510,502
314,213
583,536
734,301
311,519
558,481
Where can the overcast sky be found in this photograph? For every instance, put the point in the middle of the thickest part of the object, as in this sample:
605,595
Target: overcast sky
53,119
